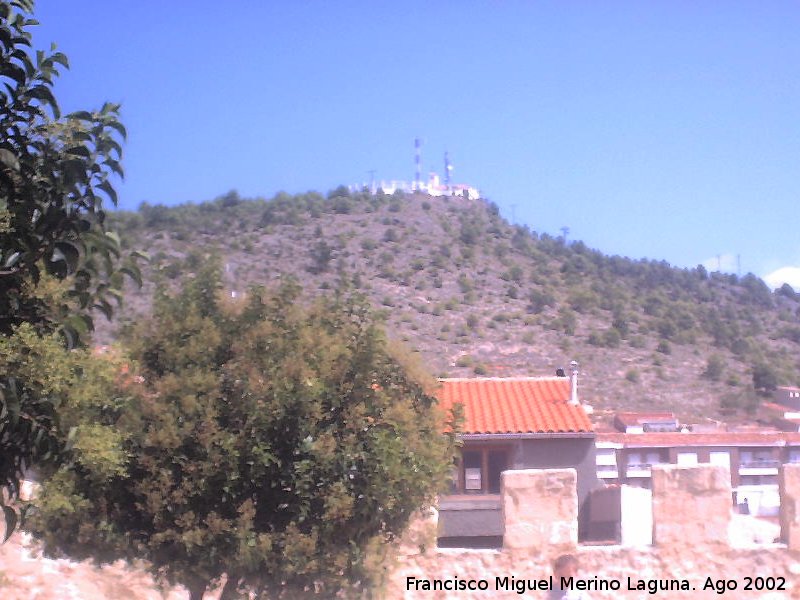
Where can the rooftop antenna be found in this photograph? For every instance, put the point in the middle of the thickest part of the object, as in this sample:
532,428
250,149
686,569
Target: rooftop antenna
417,162
448,168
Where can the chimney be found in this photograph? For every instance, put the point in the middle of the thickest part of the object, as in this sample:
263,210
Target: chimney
573,384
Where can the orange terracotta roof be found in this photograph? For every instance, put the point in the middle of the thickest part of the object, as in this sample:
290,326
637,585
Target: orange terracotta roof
515,405
722,438
779,408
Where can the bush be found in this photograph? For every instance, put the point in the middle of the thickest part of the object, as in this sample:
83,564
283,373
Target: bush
715,366
633,376
765,379
539,299
464,361
336,418
465,284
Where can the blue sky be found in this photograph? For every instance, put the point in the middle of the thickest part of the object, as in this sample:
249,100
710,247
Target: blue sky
665,130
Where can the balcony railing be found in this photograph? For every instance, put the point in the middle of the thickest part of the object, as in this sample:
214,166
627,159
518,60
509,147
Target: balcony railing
639,466
760,464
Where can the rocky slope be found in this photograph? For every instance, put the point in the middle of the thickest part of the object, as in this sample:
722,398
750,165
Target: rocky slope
476,295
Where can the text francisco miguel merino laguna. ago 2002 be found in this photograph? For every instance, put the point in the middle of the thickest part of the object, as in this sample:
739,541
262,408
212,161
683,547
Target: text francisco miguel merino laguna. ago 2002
651,586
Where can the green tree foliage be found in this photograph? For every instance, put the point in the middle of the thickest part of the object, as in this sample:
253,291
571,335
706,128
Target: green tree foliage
715,367
765,379
66,400
321,256
55,176
57,261
277,444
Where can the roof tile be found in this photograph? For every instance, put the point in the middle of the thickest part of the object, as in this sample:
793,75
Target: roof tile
515,405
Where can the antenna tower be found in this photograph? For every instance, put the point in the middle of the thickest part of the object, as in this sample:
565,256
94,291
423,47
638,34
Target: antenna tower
448,168
417,163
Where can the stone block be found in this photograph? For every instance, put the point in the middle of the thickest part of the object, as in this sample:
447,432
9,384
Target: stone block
691,505
420,534
540,510
789,488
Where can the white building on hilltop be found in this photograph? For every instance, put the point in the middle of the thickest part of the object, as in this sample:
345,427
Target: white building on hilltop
434,186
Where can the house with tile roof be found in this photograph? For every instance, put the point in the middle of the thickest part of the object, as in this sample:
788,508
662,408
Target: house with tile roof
785,409
753,457
511,423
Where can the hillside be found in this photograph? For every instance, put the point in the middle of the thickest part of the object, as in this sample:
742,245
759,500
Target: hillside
476,295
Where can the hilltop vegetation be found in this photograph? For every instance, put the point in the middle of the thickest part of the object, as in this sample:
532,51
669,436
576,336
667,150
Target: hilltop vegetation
476,295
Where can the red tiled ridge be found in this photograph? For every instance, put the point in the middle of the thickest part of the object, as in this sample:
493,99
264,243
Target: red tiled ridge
779,407
514,405
722,438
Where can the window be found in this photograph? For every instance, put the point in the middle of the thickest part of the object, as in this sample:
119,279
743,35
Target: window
479,471
757,458
653,458
606,457
643,459
719,457
472,471
758,480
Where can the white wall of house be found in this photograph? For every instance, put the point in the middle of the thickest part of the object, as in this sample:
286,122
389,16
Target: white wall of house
636,528
720,457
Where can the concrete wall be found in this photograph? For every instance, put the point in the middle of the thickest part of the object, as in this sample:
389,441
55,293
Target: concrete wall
637,516
470,517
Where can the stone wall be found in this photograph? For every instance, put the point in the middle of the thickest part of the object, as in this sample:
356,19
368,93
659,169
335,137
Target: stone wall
691,505
692,523
789,485
540,509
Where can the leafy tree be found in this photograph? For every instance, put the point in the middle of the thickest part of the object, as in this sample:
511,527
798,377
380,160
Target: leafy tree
57,261
77,401
714,367
277,444
765,379
787,291
321,254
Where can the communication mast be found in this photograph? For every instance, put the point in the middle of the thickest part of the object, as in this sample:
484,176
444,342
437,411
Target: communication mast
417,163
448,168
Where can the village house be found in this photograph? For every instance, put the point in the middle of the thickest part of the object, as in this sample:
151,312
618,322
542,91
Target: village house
753,458
785,409
511,423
